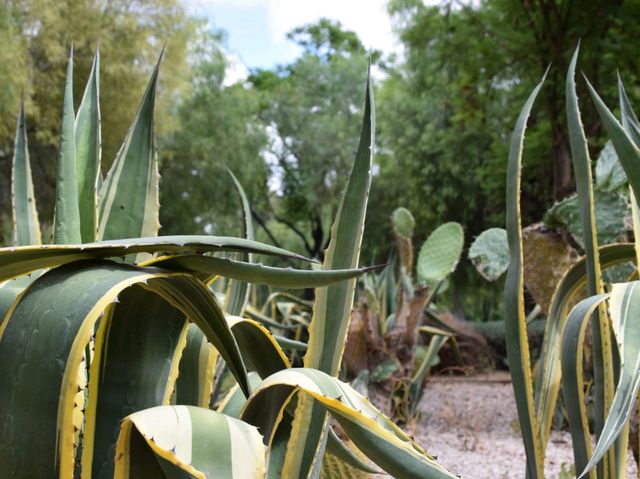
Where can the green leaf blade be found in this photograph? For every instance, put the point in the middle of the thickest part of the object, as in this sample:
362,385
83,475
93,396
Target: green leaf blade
129,205
371,432
88,151
625,309
26,227
237,295
240,271
17,261
332,305
515,326
628,152
188,442
66,228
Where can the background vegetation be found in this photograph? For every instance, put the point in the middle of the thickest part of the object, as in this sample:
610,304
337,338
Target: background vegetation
446,107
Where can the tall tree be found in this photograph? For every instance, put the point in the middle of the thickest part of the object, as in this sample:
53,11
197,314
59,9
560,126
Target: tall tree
451,105
218,128
313,109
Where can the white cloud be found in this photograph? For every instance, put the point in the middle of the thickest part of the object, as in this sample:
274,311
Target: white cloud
368,18
236,70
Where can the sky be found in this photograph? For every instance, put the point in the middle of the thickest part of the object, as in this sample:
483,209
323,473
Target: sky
256,29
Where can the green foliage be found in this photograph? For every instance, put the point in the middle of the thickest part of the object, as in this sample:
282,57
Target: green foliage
13,59
451,102
218,128
311,107
326,39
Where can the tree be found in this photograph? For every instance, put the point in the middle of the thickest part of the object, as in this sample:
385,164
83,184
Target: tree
451,105
313,109
218,128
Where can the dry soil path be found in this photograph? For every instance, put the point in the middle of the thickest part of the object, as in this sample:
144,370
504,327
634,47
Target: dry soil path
471,425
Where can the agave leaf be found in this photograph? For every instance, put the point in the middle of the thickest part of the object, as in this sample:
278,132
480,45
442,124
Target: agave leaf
602,359
78,293
282,295
260,350
571,283
417,380
630,124
489,253
129,205
253,313
8,295
628,152
135,364
371,432
346,455
66,227
184,441
625,309
332,306
17,261
440,253
233,402
197,367
436,331
88,144
572,382
26,227
290,344
209,266
515,325
237,294
629,118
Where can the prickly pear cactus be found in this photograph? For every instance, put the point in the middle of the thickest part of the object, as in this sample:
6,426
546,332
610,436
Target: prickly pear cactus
403,222
489,253
440,253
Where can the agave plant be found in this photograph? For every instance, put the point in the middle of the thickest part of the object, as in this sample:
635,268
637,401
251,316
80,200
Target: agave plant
611,309
108,346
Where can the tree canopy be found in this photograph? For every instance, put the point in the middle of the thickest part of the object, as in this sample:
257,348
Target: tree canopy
445,107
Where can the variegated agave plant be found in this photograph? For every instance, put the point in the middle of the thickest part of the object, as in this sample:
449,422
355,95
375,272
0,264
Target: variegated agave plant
108,346
612,308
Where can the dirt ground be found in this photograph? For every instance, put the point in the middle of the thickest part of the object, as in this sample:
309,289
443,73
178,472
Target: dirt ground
471,425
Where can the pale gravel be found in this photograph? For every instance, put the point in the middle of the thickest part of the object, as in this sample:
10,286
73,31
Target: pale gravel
471,425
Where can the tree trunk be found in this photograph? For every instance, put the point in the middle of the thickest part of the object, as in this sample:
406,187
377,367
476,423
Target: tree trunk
563,184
